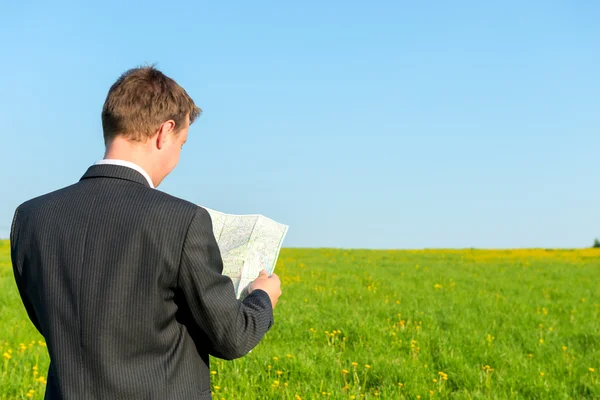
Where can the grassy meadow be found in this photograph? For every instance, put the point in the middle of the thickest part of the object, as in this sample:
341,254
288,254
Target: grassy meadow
361,324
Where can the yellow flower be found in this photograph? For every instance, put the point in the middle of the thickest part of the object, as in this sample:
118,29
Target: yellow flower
213,372
354,364
7,356
564,348
400,384
592,369
541,374
367,366
43,344
217,387
275,358
279,372
344,371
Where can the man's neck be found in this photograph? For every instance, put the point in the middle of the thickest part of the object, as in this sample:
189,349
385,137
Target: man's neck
121,148
124,150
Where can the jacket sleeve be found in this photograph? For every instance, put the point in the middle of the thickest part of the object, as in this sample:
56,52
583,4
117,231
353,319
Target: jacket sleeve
232,327
17,263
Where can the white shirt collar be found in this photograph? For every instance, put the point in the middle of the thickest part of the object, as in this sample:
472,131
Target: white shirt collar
129,164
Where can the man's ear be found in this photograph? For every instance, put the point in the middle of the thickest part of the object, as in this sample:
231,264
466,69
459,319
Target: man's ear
164,133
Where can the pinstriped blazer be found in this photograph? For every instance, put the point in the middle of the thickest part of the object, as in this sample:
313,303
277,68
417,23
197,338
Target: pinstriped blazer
125,284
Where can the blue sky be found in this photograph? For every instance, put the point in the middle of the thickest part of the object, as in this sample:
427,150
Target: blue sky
359,124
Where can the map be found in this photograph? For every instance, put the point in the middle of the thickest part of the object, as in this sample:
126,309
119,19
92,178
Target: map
248,244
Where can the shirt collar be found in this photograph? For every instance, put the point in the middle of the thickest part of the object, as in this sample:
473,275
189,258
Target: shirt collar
129,164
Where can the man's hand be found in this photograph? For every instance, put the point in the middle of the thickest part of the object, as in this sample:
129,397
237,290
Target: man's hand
270,284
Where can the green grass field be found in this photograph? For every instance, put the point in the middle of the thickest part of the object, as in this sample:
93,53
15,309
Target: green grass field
469,324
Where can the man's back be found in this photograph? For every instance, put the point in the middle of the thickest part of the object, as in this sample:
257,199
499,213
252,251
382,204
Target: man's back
125,284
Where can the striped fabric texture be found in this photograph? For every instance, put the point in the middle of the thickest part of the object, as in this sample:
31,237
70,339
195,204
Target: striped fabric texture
125,284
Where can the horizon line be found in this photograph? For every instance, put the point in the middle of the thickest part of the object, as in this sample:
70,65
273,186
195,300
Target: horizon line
421,248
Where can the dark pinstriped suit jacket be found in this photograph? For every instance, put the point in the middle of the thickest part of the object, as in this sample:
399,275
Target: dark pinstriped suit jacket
125,284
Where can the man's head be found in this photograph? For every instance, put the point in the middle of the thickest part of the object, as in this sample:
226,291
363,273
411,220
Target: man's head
146,118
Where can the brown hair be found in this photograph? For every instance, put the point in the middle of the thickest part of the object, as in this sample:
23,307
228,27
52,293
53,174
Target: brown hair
141,100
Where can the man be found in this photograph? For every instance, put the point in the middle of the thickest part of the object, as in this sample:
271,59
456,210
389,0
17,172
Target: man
125,281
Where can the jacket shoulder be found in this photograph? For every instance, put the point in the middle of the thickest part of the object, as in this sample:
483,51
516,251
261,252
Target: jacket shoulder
42,199
160,197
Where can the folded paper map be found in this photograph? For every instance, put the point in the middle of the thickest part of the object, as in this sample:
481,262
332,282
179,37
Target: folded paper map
248,244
